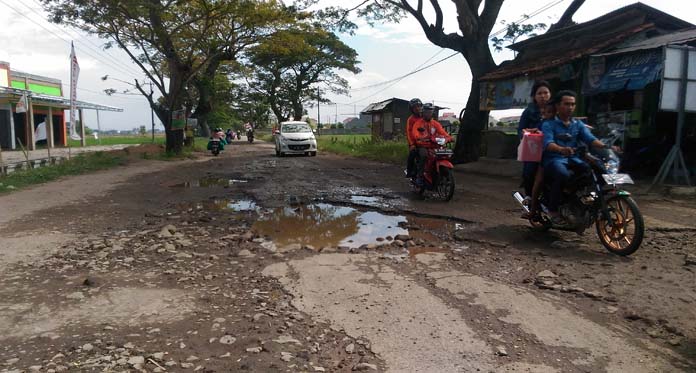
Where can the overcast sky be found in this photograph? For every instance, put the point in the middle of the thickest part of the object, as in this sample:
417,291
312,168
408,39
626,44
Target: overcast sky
386,52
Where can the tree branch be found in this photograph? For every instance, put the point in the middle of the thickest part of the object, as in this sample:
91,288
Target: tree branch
567,17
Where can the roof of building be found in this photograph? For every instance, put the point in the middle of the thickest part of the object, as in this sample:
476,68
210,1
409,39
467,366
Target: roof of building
529,66
627,12
54,101
380,106
579,40
674,38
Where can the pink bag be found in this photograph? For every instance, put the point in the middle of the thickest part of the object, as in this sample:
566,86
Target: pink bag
531,147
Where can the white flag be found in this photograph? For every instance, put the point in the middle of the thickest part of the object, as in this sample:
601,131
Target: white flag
74,74
22,104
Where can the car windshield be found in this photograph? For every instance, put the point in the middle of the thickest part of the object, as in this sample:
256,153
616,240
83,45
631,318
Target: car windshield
295,128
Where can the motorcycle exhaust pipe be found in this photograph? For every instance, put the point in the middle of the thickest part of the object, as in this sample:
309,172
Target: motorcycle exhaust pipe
520,200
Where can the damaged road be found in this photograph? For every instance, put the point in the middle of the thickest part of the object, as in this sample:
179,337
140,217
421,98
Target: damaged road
248,262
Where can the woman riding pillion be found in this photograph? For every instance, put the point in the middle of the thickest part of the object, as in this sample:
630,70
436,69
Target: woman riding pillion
531,121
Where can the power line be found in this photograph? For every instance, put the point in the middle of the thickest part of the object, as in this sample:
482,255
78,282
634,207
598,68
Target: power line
406,76
397,78
417,70
56,35
98,48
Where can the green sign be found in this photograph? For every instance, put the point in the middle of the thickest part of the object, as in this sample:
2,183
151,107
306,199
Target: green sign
179,119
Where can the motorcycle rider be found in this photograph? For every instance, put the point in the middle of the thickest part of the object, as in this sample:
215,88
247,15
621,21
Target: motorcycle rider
415,106
424,132
561,137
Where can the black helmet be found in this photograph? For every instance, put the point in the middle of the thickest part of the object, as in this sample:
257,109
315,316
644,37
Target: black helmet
428,106
414,102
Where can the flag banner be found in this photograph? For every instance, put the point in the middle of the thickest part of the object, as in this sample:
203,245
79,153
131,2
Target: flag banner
22,104
74,74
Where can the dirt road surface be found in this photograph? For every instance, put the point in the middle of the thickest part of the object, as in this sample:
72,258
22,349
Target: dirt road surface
249,262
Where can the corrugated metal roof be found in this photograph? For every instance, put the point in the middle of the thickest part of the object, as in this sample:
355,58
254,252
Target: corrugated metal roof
54,101
514,69
655,14
679,37
379,106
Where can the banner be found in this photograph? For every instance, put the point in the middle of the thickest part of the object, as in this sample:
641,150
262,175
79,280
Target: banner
74,74
22,104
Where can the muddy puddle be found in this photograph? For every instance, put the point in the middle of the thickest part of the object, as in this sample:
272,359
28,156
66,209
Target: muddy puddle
324,225
230,205
210,182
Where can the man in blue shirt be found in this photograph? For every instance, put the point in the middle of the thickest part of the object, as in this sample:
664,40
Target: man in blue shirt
561,138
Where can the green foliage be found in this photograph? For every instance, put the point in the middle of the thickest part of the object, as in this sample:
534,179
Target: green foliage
514,31
363,146
291,62
80,164
118,140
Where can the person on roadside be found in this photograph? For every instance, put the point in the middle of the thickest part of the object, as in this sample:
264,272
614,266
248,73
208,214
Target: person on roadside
415,106
530,121
561,137
425,130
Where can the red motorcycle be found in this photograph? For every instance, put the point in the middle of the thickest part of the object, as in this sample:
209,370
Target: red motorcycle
438,175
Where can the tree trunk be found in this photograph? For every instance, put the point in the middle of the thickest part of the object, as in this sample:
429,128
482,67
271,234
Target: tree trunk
297,111
474,121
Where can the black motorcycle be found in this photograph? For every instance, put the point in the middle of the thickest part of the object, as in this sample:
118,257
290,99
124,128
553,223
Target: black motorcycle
595,197
250,136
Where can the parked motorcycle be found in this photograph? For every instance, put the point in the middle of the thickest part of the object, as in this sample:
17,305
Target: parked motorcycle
438,175
595,198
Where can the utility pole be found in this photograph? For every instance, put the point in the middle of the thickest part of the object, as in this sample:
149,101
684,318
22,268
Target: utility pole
318,112
152,115
337,114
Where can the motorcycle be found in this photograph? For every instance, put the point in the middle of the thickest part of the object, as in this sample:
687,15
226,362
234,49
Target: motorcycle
214,146
595,198
438,175
250,136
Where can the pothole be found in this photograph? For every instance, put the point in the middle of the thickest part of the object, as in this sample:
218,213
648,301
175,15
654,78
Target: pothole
210,182
324,225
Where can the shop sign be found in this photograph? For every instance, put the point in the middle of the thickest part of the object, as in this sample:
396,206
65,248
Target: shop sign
625,72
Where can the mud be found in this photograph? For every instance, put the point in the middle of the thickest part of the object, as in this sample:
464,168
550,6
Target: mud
261,276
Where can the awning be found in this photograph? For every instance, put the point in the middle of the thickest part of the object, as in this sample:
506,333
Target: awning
53,101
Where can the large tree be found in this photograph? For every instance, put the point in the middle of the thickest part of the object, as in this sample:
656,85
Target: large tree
475,20
176,43
298,66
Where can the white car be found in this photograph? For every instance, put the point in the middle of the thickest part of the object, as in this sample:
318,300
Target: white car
295,138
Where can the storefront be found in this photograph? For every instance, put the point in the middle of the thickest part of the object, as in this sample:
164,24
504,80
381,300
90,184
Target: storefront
44,110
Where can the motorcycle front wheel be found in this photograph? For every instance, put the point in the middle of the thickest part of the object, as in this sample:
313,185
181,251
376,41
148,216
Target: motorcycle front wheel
445,187
623,234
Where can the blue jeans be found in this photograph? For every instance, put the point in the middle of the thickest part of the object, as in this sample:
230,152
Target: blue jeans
559,172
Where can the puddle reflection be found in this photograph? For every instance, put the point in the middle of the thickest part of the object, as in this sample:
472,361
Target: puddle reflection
325,225
210,182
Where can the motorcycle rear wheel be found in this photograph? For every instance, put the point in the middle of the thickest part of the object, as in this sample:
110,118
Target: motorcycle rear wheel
446,185
624,233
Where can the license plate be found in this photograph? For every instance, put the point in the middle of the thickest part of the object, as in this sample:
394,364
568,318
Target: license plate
618,179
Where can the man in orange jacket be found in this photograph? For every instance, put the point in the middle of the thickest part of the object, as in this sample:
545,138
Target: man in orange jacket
415,106
424,132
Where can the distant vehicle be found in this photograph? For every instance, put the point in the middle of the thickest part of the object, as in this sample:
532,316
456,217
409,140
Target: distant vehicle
295,137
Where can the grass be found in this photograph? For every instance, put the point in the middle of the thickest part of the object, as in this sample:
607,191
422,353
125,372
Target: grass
363,146
80,164
117,140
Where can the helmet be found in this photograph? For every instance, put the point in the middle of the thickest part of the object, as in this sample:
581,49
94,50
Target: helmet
428,106
414,102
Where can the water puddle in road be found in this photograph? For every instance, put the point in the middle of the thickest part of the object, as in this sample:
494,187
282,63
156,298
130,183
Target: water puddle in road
324,225
210,182
233,205
365,200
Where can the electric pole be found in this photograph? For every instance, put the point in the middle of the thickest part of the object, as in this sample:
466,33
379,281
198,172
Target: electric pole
152,114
